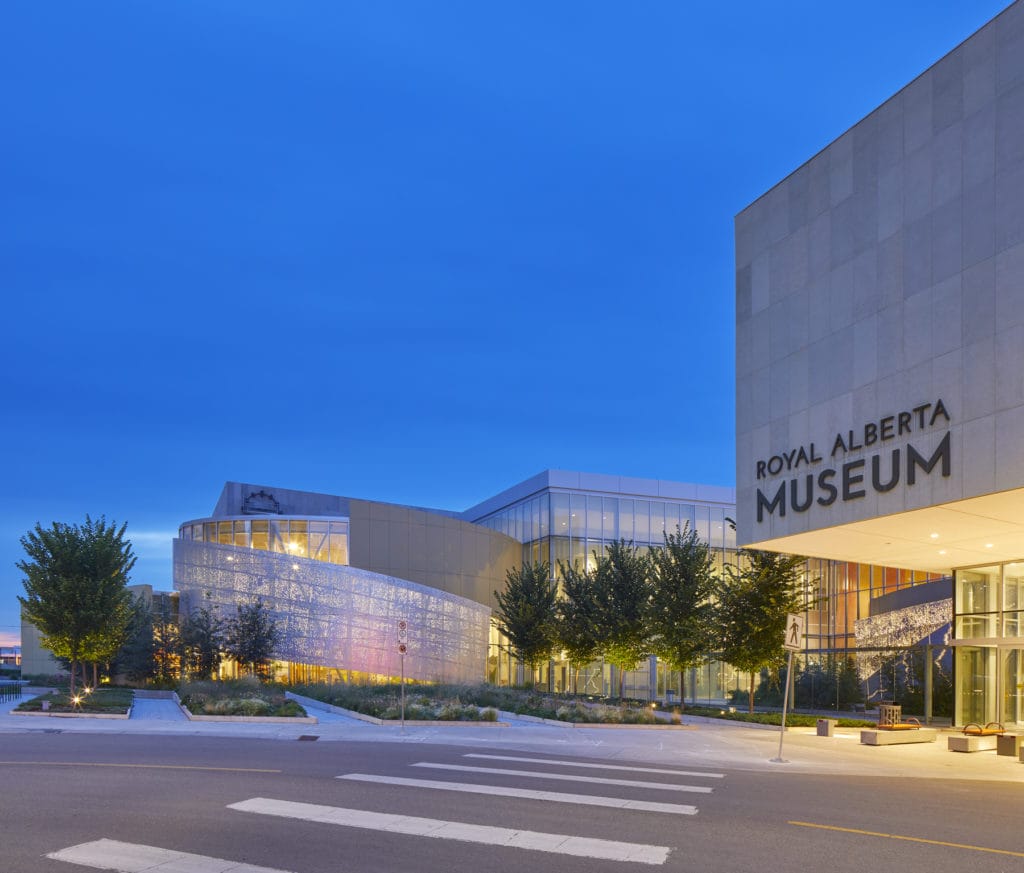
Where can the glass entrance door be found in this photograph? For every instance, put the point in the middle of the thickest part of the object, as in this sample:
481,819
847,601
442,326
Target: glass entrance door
975,679
1013,686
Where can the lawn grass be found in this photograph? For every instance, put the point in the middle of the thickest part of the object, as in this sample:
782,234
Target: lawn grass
102,701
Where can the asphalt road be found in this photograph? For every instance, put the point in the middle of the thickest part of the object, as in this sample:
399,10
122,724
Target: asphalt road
61,790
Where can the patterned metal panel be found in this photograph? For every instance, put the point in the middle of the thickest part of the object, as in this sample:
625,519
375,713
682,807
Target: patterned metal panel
340,616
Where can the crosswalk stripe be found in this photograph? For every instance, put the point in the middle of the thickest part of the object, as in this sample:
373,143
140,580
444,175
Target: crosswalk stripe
134,858
533,774
499,791
562,844
595,766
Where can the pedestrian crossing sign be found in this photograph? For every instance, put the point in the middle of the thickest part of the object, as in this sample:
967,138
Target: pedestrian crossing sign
794,639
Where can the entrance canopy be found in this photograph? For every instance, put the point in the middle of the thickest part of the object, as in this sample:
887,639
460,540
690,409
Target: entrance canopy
964,533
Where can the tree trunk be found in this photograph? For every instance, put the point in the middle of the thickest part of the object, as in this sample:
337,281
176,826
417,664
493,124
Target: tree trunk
95,675
750,699
622,683
71,681
682,690
575,680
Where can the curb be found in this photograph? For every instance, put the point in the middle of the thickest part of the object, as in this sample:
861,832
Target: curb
106,715
552,722
312,703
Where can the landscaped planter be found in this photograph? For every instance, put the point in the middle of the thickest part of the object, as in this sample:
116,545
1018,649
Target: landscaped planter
312,703
247,719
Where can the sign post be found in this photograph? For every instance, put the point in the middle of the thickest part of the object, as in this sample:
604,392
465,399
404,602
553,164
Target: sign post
791,642
403,647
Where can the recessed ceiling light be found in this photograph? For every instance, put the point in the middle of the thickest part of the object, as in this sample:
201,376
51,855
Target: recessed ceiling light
942,551
988,545
934,536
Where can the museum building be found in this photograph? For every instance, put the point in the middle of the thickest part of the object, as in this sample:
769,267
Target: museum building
880,354
339,573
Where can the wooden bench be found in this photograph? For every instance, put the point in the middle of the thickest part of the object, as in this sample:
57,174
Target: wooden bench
885,737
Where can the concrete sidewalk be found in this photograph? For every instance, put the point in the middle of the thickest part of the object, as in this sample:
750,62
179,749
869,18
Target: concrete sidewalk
703,743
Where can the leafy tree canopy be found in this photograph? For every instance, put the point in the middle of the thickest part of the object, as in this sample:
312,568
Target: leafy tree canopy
526,612
683,580
622,589
75,588
577,610
202,642
251,636
753,603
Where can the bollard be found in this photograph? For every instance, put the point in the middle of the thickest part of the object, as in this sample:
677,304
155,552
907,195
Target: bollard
826,727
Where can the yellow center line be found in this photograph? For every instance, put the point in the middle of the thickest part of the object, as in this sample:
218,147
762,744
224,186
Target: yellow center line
138,766
807,824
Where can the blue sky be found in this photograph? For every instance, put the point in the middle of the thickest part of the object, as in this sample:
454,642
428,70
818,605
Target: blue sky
407,251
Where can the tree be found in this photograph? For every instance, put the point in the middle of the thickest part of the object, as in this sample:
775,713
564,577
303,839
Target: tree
526,613
167,652
202,643
622,592
75,586
136,657
751,610
251,636
682,581
577,612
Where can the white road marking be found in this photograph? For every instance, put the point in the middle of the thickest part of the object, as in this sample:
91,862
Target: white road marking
596,766
599,780
562,844
134,858
555,796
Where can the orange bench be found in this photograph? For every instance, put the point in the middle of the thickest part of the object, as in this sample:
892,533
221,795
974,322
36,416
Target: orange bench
911,724
992,729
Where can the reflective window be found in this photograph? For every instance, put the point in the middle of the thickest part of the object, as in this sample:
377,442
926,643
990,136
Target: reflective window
976,589
657,522
626,528
673,518
560,515
703,523
609,519
641,521
595,522
577,515
260,535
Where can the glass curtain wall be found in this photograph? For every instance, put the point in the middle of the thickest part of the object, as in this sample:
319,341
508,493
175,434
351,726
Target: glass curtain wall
572,527
989,663
317,539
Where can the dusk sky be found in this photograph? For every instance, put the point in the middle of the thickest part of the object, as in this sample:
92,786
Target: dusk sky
414,252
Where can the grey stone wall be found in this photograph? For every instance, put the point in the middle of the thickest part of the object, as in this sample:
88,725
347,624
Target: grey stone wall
886,273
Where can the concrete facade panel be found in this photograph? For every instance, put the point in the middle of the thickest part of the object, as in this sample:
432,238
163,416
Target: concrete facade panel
913,289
